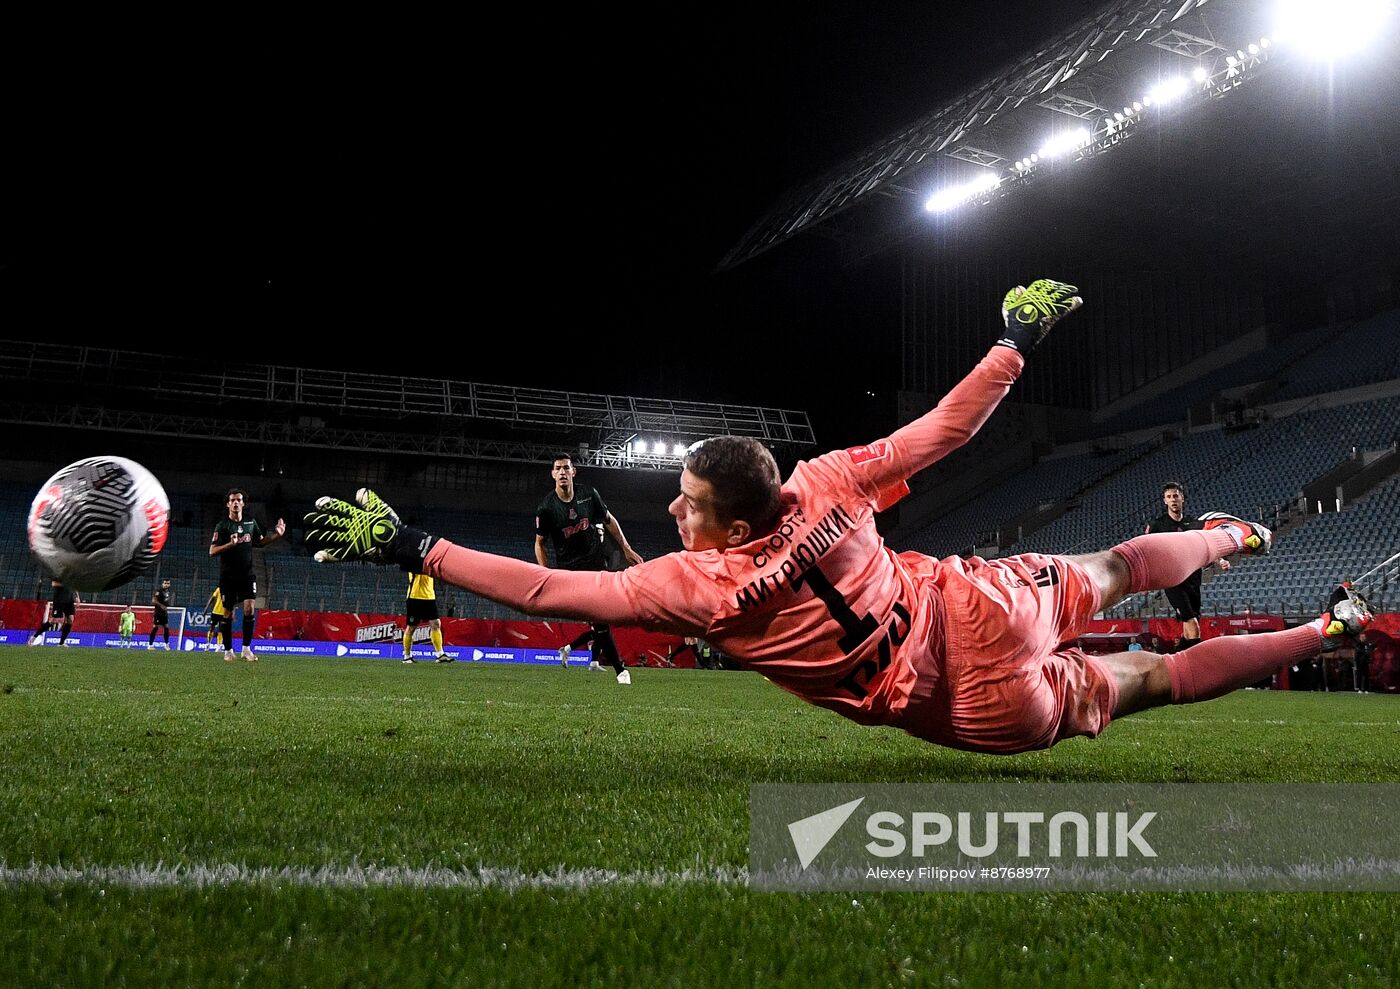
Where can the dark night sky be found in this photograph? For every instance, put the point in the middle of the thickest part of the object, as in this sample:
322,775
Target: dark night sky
546,194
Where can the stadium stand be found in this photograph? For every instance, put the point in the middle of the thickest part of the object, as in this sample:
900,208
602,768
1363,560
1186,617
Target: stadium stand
1278,358
1364,353
980,519
1251,473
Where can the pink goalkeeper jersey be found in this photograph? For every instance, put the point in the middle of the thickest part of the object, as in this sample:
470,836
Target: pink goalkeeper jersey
820,606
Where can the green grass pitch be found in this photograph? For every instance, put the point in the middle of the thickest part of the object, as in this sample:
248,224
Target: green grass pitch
173,820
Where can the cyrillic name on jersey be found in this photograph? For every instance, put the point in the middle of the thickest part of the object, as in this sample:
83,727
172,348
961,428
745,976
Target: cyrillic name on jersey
804,555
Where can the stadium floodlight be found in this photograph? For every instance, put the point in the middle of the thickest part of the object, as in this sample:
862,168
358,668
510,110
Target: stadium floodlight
953,195
1169,89
1200,75
1137,107
660,448
1067,141
678,450
1254,49
1332,29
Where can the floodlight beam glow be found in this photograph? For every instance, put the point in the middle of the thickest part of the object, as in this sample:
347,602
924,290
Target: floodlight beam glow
1061,143
953,195
1332,29
1169,89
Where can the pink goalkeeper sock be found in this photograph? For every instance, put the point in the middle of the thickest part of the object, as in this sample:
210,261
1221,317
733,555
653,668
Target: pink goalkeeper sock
1229,662
1165,559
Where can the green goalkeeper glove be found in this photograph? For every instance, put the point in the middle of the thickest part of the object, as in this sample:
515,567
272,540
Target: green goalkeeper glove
1029,312
338,531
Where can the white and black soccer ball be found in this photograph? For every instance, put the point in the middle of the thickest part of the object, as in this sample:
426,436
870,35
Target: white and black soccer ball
98,523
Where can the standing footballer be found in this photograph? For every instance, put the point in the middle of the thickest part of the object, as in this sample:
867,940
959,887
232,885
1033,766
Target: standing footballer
234,539
571,517
160,604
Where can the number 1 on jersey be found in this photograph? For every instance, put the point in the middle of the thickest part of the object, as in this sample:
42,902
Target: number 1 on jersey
857,629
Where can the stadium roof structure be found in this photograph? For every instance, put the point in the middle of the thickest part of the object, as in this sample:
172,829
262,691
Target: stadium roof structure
1097,78
156,395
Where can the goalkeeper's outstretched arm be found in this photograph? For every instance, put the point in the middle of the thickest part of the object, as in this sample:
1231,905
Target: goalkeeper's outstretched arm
1028,314
651,594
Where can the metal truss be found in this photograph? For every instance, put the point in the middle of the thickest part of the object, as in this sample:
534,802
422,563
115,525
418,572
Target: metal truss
1187,45
1080,106
1055,76
976,156
398,397
319,437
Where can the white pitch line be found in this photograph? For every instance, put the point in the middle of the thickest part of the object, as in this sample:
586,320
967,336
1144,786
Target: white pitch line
205,875
201,875
95,691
